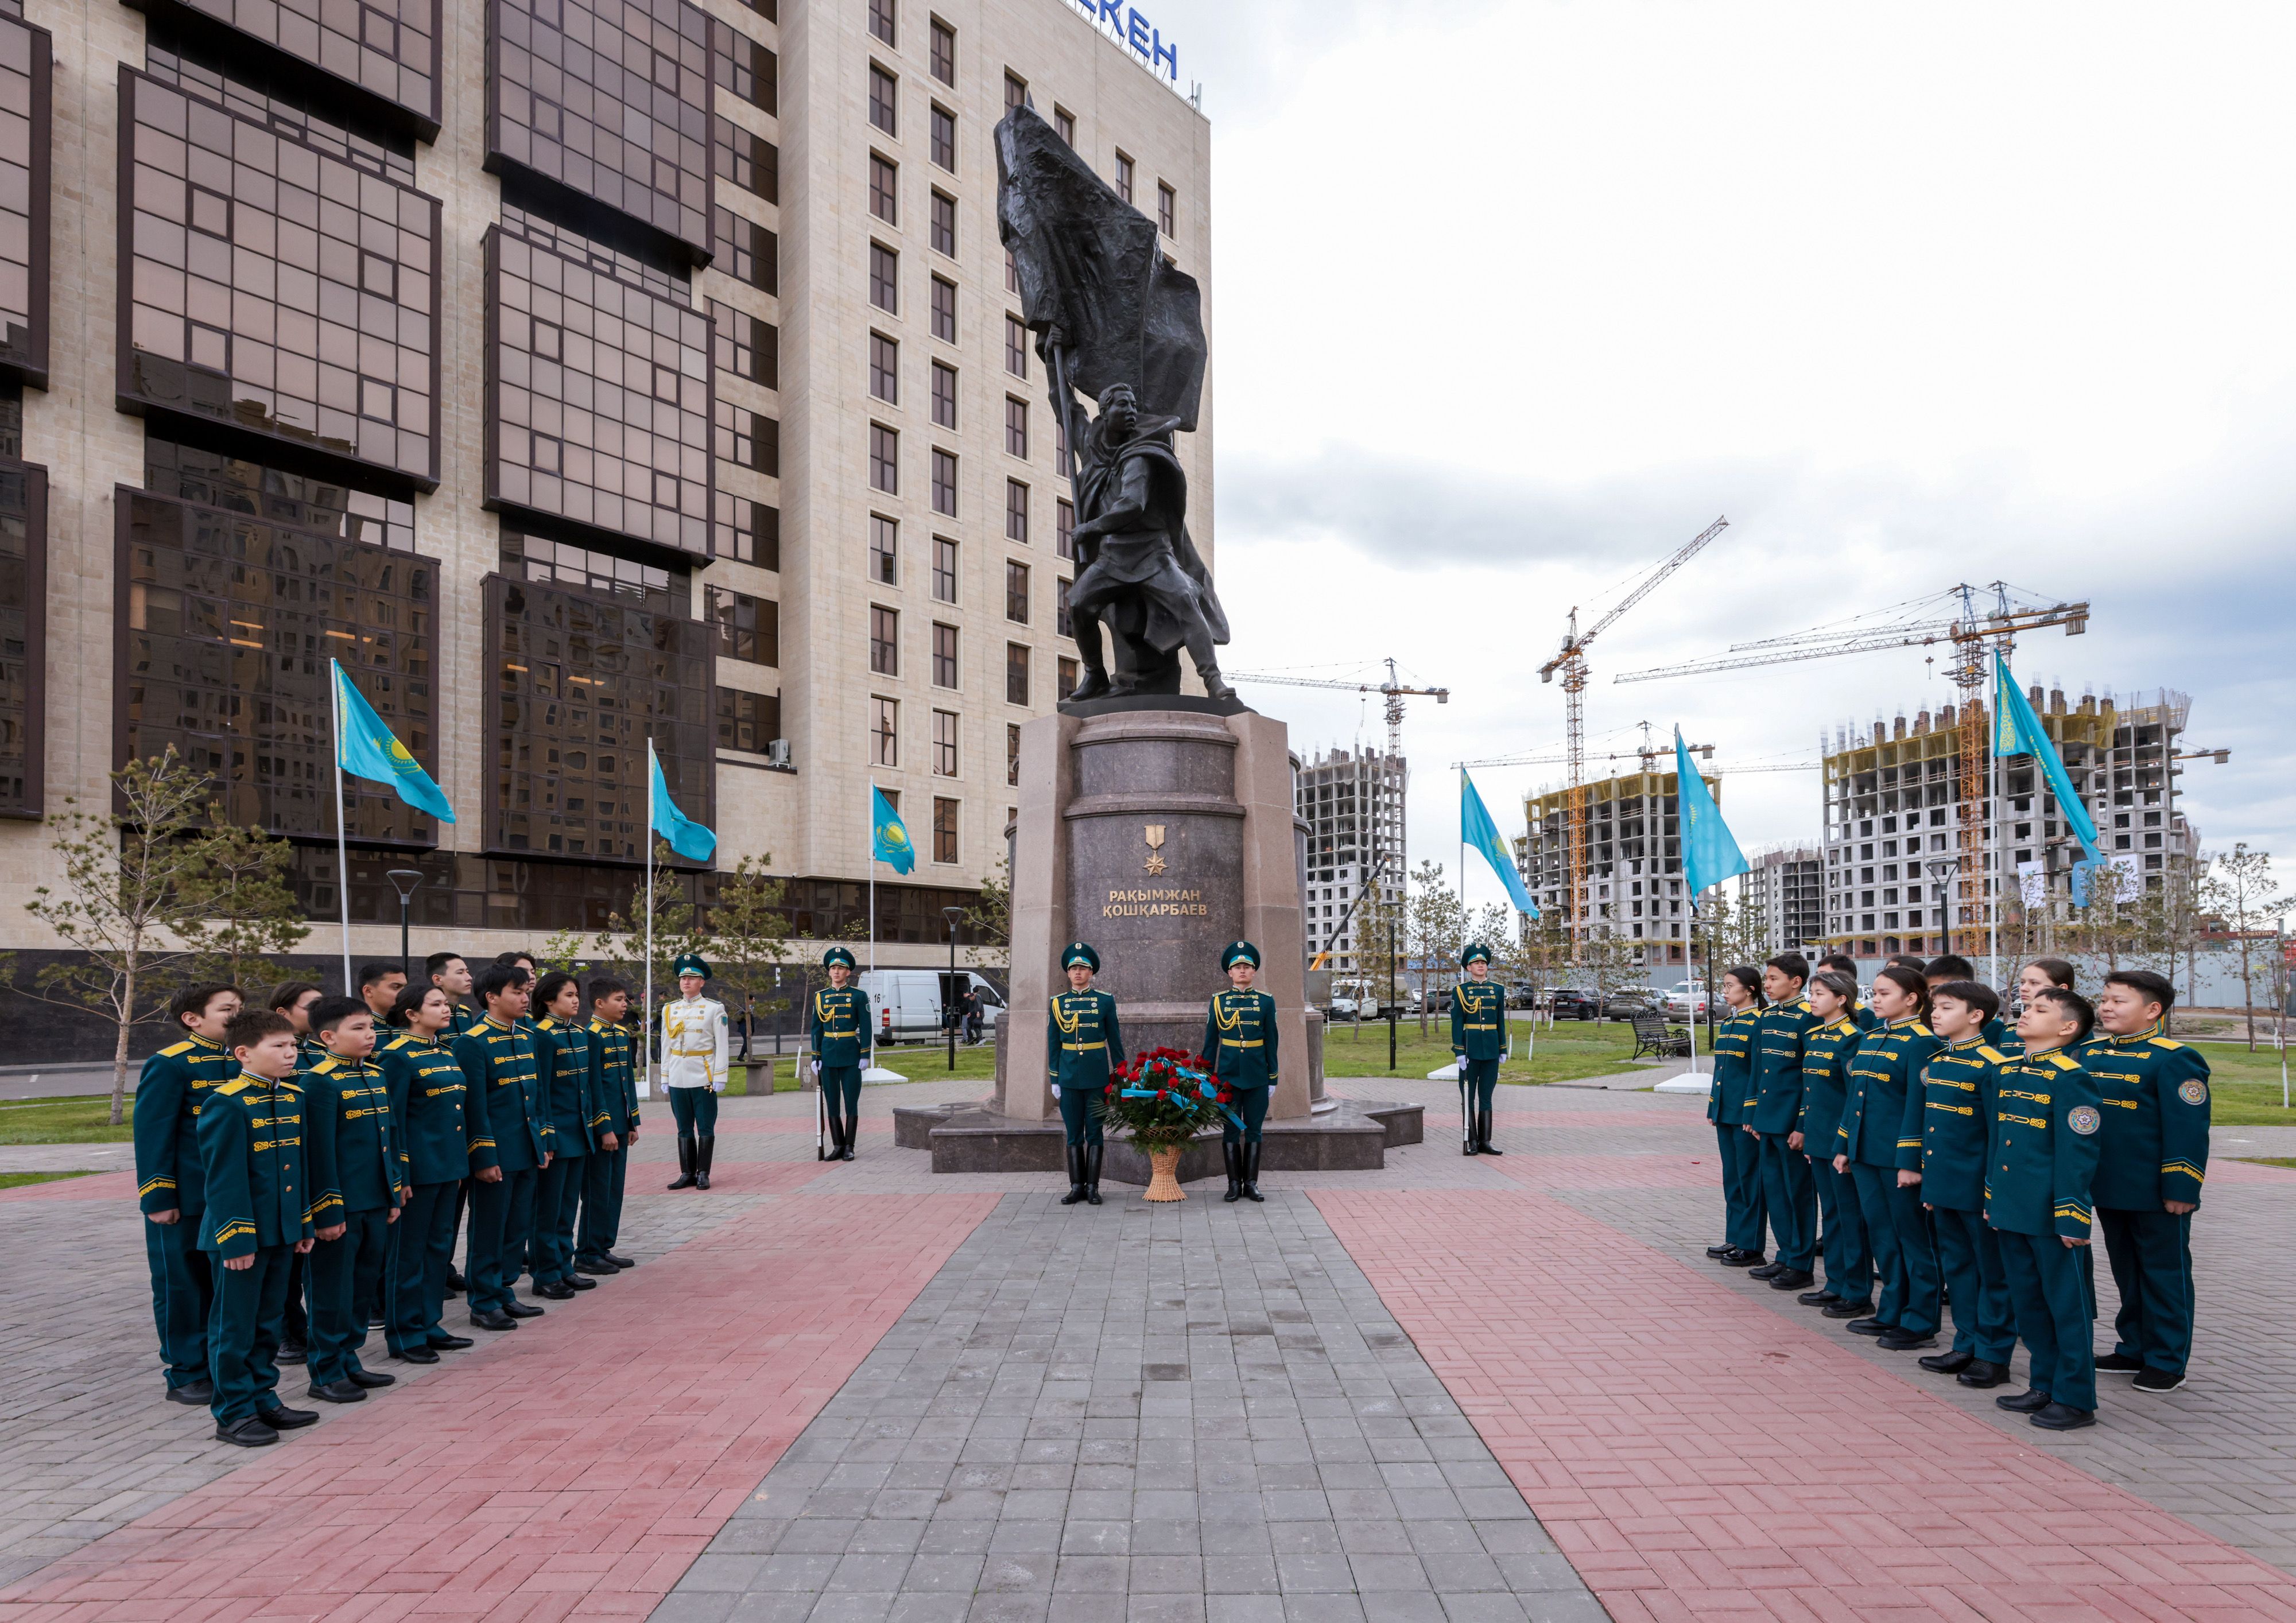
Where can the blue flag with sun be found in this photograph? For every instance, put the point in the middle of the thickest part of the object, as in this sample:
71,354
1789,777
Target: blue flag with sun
892,834
366,749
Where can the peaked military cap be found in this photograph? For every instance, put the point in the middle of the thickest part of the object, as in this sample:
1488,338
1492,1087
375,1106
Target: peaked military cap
1079,952
836,956
1240,951
1473,951
691,963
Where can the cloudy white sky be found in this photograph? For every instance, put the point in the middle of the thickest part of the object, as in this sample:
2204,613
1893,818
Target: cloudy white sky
1510,300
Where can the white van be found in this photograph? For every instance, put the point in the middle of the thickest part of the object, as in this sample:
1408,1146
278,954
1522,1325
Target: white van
908,1003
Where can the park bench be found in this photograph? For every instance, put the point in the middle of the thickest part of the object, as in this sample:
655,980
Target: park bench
1654,1037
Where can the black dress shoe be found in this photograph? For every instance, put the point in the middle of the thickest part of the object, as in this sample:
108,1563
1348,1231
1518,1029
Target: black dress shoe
1741,1258
1948,1363
1849,1310
2027,1402
249,1433
1981,1374
373,1378
493,1318
416,1354
1817,1299
440,1341
556,1292
338,1392
375,1324
2063,1417
2157,1380
2119,1364
293,1352
619,1262
579,1282
455,1282
1871,1327
1769,1270
524,1310
595,1268
1906,1341
193,1394
1718,1252
1791,1279
284,1419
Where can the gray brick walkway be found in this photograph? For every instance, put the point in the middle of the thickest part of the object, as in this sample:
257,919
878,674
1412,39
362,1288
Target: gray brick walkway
1199,1415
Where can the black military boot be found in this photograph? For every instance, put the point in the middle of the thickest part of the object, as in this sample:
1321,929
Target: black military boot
1252,1172
1092,1158
1483,1135
684,1179
1075,1196
703,1148
1231,1158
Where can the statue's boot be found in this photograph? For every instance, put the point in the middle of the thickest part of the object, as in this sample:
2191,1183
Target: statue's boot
1208,671
1092,684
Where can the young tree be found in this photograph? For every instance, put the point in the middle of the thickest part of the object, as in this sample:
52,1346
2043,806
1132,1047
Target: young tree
2243,889
122,907
1434,930
990,918
1378,925
749,933
621,946
240,907
564,951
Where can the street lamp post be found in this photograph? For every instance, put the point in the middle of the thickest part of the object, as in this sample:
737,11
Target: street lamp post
949,987
404,881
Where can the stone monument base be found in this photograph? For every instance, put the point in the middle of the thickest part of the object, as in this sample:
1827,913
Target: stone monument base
1351,1136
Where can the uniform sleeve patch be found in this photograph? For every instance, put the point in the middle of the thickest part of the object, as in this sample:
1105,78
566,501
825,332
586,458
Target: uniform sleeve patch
2083,1118
2194,1092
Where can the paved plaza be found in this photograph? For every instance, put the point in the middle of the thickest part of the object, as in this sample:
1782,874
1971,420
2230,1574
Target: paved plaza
1453,1391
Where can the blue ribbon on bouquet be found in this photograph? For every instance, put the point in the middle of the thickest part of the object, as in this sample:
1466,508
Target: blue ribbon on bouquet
1206,1089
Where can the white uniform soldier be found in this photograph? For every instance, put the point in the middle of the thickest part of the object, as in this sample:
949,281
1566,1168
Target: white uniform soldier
695,1039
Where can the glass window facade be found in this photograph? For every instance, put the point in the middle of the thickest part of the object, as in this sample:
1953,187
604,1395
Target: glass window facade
745,68
272,288
213,479
748,628
648,586
24,128
747,347
285,106
23,635
598,399
748,721
748,161
744,250
747,530
386,48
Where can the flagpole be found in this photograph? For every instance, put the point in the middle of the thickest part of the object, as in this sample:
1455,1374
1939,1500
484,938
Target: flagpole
1992,879
652,769
873,874
342,848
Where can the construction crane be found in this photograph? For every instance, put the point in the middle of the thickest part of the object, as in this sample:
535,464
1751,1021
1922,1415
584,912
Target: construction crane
1974,638
1571,660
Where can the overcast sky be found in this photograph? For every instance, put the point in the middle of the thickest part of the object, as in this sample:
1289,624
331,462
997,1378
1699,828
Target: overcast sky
1511,302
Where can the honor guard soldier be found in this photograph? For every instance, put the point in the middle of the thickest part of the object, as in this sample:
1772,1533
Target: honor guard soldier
352,1154
1880,1147
1789,1193
429,1100
566,1057
1479,1042
2153,1155
841,1028
2046,1122
1240,1041
1957,1088
173,1088
257,1214
1728,1106
696,1044
1083,1045
1825,1051
511,1143
617,1128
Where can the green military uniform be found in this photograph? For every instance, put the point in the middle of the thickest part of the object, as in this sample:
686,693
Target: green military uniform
566,1056
607,1170
1826,1052
1880,1132
1083,1045
353,1162
1788,1192
429,1101
841,1028
1728,1104
2153,1148
294,1344
510,1129
464,1020
1240,1045
175,1085
1479,1042
2044,1155
257,1204
1957,1089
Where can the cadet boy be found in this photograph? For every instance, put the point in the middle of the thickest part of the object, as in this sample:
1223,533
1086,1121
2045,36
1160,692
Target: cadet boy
378,986
2152,1156
2037,1197
568,1059
1240,1041
296,999
1083,1043
352,1160
1957,1109
841,1029
607,1167
174,1087
1953,966
1479,1042
429,1101
1789,1191
250,1136
450,972
511,1143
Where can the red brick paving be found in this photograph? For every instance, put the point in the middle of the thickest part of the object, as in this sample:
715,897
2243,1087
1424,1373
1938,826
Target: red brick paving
95,1186
572,1470
1695,1457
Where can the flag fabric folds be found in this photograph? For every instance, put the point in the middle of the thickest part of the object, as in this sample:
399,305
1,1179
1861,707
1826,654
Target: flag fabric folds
890,834
2018,731
367,749
687,837
1710,851
1478,832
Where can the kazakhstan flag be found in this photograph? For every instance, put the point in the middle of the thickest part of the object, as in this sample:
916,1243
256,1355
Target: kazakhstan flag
892,834
2017,730
1477,830
366,749
693,840
1710,851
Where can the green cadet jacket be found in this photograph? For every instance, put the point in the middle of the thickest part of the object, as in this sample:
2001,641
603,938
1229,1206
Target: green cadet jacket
2044,1153
2154,1092
251,1156
840,1027
177,1082
1881,1119
1731,1102
1826,1052
1778,1060
1240,1039
1479,1021
616,1047
351,1153
567,1056
1083,1043
510,1119
429,1099
1957,1089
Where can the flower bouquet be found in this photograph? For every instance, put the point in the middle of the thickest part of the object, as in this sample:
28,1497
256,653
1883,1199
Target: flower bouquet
1163,1099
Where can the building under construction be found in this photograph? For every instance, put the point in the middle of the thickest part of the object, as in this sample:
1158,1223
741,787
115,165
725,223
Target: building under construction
1633,889
1904,800
1352,801
1785,888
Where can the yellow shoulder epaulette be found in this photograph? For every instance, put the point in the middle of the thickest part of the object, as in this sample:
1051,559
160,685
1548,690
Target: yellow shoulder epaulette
1802,1006
399,1041
2166,1042
1986,1051
1919,1029
238,1085
178,1048
2063,1061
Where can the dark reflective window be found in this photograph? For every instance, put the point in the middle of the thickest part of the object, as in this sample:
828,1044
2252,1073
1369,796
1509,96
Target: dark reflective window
748,628
747,347
750,161
747,530
647,585
1016,511
884,550
23,625
229,623
884,279
885,640
944,569
880,20
944,395
944,52
579,683
572,244
215,479
944,224
285,107
884,100
748,721
744,250
274,288
1016,673
885,459
883,201
389,48
744,67
751,439
1016,593
598,394
944,811
884,369
944,655
944,483
24,131
944,138
944,309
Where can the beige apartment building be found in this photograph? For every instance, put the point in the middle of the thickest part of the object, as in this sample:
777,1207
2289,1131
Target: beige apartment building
579,373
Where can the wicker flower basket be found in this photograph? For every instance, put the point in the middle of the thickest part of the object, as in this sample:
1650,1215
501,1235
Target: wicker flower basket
1163,1180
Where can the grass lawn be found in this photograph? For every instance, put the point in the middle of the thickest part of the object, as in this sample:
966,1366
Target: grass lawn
2267,1160
2244,1087
76,1119
17,1180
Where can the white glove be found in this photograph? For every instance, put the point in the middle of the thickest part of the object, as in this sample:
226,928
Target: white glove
1056,1090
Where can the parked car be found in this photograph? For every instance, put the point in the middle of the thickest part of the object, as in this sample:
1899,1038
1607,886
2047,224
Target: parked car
1569,1002
1340,1008
1521,995
1626,1004
910,1002
1685,1000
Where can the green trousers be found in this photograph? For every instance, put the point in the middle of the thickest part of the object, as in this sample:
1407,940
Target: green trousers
557,1196
345,1275
1082,1110
841,1096
1481,1076
2049,1290
604,1172
243,1330
1252,1104
695,1109
417,1292
501,1216
1969,1258
183,1289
